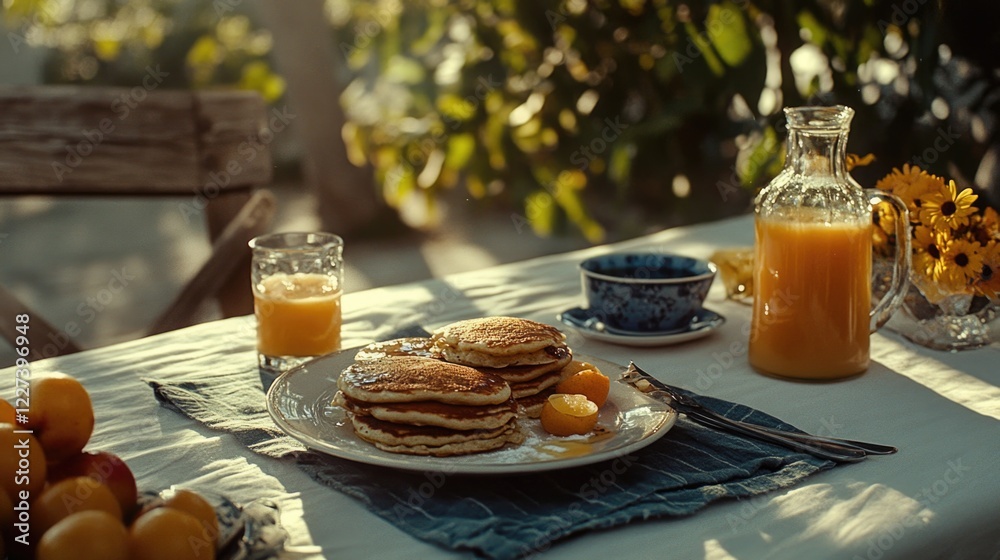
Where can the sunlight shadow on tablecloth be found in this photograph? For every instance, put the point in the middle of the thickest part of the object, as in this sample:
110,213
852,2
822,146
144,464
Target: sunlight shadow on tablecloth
978,392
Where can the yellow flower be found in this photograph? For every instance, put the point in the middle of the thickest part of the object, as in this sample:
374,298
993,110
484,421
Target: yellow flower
962,265
884,220
897,180
911,185
988,283
990,220
985,227
854,160
947,208
955,247
927,253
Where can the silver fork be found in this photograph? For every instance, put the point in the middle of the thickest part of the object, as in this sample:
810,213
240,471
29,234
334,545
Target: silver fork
836,449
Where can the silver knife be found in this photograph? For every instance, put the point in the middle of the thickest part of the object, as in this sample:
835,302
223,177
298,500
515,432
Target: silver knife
836,449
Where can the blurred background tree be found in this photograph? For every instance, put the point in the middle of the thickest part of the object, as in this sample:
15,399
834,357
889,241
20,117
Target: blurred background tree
198,44
604,117
614,115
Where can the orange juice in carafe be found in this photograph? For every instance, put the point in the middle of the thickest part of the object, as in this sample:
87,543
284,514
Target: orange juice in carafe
297,315
812,297
812,312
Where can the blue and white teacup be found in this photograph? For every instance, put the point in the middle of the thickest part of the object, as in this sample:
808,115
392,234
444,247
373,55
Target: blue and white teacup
646,292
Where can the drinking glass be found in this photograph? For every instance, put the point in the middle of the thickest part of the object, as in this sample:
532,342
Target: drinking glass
736,270
297,281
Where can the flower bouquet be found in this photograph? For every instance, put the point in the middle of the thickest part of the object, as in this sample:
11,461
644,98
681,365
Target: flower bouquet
955,272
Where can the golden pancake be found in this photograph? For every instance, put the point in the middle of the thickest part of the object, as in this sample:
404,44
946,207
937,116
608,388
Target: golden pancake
410,379
391,433
498,336
515,437
518,374
431,413
531,406
547,355
535,386
409,346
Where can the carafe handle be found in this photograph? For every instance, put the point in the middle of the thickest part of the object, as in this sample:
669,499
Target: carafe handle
884,309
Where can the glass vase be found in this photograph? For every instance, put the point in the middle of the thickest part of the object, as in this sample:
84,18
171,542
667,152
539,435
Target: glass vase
953,322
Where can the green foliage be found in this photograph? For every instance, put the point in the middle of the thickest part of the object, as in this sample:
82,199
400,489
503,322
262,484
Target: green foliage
585,110
582,113
559,105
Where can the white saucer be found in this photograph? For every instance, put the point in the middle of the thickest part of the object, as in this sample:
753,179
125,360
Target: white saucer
584,322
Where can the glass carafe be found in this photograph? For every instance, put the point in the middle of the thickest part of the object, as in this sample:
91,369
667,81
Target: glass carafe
812,311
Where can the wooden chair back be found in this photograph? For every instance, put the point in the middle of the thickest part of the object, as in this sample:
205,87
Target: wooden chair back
209,148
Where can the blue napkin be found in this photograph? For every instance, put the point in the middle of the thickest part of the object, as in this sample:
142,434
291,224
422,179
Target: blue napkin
513,516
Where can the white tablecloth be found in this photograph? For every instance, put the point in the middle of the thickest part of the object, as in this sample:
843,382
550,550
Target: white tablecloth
939,497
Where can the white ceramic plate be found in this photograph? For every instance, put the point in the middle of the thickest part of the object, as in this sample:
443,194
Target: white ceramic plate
704,324
299,402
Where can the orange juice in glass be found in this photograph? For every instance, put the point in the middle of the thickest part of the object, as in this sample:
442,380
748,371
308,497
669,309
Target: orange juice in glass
297,283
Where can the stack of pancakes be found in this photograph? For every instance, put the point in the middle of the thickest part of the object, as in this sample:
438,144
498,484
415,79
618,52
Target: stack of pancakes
529,355
459,391
425,406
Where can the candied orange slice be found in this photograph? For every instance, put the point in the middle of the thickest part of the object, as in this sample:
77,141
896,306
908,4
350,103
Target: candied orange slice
589,383
576,366
568,415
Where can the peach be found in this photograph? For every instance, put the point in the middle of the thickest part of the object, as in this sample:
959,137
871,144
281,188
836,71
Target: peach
6,515
7,414
66,497
22,464
193,504
106,468
169,534
61,415
85,535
